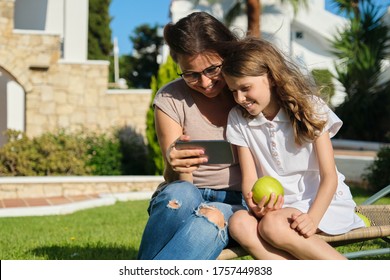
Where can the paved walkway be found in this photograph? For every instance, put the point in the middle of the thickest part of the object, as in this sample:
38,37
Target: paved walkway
69,204
62,205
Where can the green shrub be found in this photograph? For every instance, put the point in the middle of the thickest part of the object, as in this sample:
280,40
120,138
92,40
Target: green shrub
134,152
17,155
46,155
84,153
378,175
103,154
60,154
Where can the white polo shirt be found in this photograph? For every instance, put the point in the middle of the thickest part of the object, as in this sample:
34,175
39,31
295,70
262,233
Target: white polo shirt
296,167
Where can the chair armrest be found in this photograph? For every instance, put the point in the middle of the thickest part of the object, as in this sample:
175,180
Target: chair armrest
377,196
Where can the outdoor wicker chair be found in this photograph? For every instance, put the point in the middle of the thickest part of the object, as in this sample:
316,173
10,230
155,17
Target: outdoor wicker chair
379,216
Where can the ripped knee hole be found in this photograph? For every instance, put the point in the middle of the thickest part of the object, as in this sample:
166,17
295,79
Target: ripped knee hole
174,204
214,215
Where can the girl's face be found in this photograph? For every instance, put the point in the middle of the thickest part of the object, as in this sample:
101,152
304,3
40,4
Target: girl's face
203,73
254,93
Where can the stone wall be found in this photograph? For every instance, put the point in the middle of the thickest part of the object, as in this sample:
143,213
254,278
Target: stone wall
61,94
33,187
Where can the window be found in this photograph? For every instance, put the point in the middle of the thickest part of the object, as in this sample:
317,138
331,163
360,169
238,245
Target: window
299,35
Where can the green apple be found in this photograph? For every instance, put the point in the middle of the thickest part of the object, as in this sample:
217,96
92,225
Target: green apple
264,186
365,219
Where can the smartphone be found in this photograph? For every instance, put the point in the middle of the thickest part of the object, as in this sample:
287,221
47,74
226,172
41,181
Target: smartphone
217,151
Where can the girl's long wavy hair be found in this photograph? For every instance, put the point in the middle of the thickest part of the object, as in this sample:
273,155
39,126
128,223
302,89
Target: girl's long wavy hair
195,34
294,90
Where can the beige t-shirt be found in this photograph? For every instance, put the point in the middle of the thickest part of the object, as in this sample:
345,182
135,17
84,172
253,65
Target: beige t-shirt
175,100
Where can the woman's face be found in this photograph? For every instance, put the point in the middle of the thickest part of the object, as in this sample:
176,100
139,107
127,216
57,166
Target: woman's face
204,70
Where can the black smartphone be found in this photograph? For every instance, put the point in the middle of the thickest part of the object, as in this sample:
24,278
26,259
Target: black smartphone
217,151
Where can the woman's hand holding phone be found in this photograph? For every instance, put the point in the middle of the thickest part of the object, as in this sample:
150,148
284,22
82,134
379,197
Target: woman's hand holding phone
185,160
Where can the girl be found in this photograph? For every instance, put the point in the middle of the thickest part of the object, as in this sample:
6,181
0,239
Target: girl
282,129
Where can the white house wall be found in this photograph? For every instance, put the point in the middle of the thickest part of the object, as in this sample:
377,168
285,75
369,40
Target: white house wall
76,30
181,8
55,17
310,50
277,19
275,27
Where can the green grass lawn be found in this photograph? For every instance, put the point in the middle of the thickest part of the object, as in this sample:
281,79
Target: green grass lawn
103,233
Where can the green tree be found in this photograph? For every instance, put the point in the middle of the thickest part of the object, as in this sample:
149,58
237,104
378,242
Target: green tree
323,79
99,32
166,73
139,67
361,47
127,69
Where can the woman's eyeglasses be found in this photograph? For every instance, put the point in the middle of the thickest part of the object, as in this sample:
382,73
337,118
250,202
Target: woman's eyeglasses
193,77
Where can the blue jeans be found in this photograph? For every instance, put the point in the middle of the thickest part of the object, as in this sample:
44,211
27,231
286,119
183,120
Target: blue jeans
177,231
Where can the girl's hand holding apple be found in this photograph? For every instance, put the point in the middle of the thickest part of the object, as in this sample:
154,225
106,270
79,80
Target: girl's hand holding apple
262,208
267,195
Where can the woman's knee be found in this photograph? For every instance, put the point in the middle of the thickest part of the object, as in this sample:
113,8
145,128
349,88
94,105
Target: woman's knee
179,195
178,192
213,214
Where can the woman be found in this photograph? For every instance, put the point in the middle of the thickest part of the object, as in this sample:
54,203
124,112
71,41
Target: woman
188,219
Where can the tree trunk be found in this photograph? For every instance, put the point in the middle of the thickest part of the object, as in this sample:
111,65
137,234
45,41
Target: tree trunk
355,8
253,11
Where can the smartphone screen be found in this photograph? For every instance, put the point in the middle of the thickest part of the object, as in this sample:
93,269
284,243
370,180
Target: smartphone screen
217,151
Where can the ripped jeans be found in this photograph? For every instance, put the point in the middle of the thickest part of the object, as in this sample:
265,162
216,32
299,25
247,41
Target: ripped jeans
176,229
